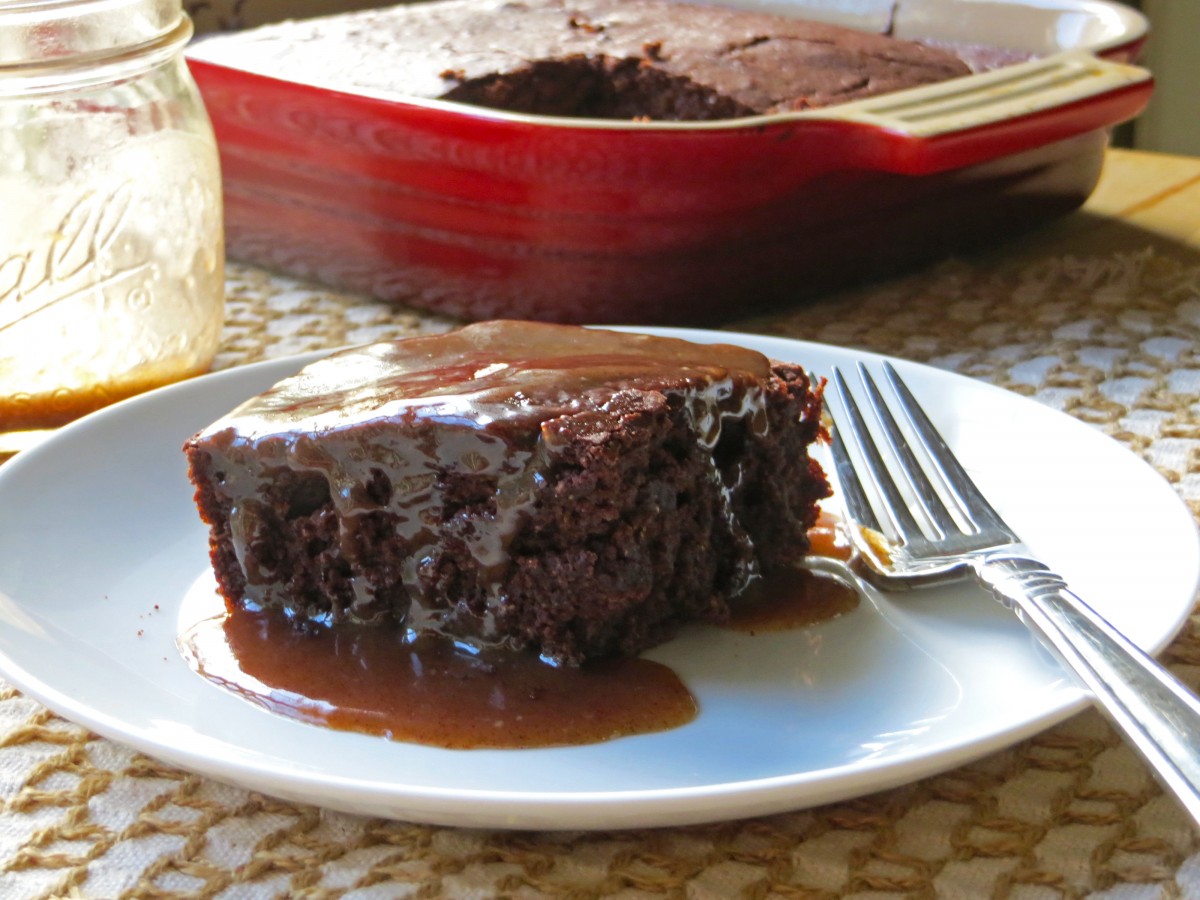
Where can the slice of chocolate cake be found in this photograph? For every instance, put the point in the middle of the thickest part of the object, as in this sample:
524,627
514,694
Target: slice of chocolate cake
579,492
606,59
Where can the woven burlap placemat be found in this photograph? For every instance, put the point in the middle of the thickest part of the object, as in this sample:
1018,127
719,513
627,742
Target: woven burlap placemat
1069,813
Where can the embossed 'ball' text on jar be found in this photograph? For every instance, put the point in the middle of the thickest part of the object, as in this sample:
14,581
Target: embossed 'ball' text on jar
111,241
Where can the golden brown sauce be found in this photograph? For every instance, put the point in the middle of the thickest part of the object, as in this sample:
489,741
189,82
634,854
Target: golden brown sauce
791,598
828,538
369,679
504,378
29,412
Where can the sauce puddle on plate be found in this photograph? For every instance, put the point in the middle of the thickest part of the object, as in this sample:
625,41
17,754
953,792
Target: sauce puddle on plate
432,690
438,692
791,598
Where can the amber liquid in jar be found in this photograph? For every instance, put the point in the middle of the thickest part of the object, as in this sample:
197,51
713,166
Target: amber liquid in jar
111,246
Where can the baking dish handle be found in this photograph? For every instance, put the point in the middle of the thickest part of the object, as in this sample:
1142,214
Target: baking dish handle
971,120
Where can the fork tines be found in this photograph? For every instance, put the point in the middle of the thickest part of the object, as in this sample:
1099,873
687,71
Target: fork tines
916,492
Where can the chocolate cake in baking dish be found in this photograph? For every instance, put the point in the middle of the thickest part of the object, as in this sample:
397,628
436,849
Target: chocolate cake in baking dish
619,59
577,492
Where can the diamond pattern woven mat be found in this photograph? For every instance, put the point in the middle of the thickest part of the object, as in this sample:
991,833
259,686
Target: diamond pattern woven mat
1069,813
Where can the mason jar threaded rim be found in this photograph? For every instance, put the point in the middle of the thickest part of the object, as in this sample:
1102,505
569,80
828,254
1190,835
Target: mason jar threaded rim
91,67
43,33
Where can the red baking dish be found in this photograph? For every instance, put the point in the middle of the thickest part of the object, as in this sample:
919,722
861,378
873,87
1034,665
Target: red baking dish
481,214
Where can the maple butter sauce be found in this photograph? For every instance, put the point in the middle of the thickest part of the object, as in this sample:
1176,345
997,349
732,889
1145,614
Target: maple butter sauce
440,693
432,690
797,598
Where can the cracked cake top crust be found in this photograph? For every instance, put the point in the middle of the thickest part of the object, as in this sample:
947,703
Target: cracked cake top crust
639,59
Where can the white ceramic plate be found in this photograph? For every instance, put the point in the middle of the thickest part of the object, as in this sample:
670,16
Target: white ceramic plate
100,544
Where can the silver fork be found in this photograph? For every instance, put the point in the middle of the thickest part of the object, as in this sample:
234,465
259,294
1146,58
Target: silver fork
939,527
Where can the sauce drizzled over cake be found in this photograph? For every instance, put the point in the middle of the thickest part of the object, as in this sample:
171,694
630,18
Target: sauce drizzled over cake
566,493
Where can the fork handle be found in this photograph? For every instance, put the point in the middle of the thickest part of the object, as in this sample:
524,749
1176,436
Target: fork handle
1157,713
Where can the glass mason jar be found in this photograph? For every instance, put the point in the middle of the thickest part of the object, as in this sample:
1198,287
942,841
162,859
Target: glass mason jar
111,241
